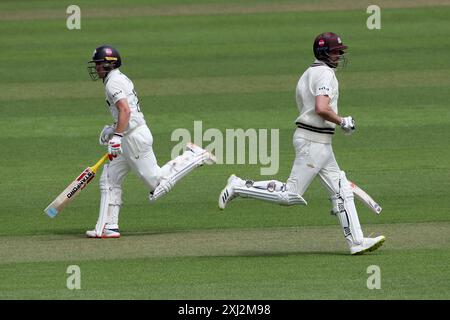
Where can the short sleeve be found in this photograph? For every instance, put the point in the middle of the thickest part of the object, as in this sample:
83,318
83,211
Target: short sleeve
323,86
115,91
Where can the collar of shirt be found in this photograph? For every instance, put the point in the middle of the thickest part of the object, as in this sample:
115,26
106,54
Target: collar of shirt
109,75
317,63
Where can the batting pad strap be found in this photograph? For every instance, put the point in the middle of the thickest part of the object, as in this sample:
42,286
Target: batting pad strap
285,198
270,185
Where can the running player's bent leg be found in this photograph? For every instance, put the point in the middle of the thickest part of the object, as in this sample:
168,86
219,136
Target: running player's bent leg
272,191
310,157
289,193
138,150
161,180
146,167
176,169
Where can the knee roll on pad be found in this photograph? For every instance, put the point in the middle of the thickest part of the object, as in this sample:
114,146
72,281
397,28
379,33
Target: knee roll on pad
114,192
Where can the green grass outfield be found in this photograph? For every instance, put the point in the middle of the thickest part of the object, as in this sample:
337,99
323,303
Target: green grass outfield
230,64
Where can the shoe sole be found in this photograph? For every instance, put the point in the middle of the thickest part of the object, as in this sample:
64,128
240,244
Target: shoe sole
372,248
103,237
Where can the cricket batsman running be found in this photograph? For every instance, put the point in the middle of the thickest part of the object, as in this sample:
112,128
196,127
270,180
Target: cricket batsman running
317,96
129,143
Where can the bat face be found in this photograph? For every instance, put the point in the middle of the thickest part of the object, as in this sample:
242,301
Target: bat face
74,188
71,191
83,179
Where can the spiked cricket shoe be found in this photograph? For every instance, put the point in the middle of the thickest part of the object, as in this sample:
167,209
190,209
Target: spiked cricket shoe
368,245
107,233
227,193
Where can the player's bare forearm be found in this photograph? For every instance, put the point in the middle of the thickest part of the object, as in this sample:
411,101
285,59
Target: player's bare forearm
124,115
324,110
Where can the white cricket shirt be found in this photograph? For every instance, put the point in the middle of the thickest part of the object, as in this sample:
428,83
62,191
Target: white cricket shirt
118,86
318,79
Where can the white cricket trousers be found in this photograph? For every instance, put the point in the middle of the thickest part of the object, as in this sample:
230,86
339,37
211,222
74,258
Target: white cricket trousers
312,159
137,156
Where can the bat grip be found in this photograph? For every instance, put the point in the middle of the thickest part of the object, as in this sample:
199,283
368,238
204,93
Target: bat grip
95,167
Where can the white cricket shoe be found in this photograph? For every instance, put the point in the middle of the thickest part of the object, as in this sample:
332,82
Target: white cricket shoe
227,193
368,245
107,233
209,158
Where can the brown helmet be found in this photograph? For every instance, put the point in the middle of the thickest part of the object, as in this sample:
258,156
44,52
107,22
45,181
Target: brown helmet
326,43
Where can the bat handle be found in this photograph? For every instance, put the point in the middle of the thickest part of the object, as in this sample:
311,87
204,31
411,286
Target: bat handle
95,167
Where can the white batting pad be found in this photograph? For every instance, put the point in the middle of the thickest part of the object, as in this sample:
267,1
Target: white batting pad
281,197
344,207
103,212
179,167
271,185
110,202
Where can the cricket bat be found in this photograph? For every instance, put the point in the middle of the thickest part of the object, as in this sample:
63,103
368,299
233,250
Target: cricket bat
74,189
365,198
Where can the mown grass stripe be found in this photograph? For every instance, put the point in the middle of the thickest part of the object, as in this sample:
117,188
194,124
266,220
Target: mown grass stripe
195,9
210,243
237,84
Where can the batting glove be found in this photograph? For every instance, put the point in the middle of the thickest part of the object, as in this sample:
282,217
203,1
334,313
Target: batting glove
115,146
348,125
106,135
